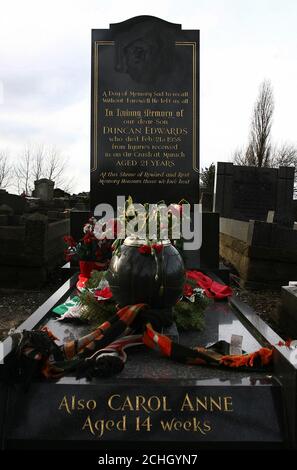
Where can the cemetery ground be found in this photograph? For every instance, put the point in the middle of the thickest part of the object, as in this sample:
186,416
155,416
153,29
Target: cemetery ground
16,305
266,303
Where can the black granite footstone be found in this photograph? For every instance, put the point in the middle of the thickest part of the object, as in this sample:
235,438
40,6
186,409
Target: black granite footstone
255,395
101,413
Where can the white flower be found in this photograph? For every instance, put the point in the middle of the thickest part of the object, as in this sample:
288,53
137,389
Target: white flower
88,228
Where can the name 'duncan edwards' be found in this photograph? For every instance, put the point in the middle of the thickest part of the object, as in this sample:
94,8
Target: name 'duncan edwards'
142,408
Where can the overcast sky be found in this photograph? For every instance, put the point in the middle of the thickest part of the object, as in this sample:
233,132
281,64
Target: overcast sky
45,65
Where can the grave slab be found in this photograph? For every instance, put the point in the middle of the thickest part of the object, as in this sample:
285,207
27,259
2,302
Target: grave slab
40,416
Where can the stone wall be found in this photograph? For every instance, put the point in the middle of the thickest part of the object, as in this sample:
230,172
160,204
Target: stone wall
262,253
29,252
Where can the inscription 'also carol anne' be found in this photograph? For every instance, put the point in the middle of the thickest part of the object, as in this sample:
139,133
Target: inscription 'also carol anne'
148,404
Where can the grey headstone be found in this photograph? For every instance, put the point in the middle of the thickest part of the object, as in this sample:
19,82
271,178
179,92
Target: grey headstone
44,189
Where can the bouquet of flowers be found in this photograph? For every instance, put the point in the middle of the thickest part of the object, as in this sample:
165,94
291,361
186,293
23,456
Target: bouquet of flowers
88,248
143,221
90,252
98,304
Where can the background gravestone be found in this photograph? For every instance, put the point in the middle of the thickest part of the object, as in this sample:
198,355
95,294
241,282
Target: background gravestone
246,193
17,203
44,189
145,103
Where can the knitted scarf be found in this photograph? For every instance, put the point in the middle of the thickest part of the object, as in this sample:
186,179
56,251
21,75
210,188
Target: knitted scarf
102,352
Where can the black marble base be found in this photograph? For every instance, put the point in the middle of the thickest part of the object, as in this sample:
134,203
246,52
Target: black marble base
154,399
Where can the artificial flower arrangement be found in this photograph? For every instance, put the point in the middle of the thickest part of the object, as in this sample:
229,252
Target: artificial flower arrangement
88,248
94,250
90,252
96,303
151,217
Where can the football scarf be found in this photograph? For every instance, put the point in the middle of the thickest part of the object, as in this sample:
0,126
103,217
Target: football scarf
102,353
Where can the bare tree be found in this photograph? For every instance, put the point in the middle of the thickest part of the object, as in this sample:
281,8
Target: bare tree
259,148
239,157
260,151
56,166
41,161
5,170
207,177
284,155
23,171
38,162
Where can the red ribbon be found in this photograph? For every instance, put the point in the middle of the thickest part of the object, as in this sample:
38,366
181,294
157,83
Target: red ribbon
212,289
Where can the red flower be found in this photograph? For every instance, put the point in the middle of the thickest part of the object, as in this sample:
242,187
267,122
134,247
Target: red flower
287,343
158,247
70,241
68,256
88,238
188,290
106,293
145,250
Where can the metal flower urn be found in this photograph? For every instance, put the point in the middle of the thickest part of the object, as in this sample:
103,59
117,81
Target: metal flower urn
141,275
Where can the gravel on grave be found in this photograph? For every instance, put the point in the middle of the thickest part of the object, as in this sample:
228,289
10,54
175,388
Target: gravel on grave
266,303
17,305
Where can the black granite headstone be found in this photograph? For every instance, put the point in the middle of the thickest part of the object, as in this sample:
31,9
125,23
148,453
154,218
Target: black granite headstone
144,114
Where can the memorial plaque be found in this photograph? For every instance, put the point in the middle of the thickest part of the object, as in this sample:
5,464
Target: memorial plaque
144,113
